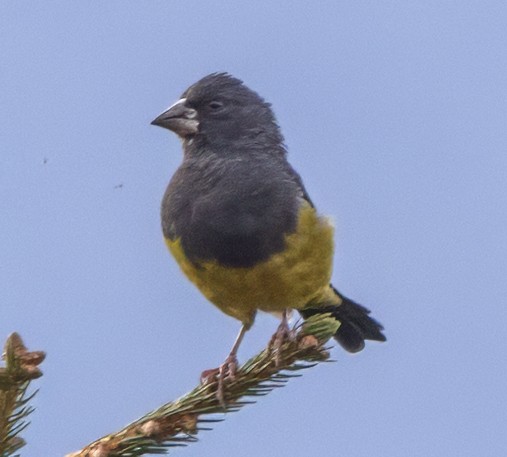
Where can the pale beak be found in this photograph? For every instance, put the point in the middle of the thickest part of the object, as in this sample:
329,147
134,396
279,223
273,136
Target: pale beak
179,118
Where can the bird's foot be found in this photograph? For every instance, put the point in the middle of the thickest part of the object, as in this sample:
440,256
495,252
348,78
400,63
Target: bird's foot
282,335
225,372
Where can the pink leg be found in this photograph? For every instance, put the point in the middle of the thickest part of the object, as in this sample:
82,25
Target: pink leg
228,369
282,334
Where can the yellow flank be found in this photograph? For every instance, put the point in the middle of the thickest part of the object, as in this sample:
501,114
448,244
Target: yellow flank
295,278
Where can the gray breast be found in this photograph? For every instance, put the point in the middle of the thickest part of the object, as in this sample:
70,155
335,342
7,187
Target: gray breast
234,212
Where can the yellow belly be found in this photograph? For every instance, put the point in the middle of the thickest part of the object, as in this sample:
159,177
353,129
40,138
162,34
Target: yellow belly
294,278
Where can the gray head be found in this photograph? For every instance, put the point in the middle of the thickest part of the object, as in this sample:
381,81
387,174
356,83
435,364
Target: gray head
220,109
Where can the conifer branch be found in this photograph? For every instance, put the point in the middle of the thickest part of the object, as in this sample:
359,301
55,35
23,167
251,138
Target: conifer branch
20,368
177,423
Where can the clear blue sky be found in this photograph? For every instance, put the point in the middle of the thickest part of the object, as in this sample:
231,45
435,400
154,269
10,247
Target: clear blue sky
394,112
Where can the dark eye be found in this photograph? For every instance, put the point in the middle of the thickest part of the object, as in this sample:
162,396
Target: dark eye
214,105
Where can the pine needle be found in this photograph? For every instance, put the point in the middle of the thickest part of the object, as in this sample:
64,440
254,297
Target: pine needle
21,367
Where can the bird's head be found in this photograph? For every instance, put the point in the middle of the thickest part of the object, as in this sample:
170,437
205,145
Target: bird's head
220,108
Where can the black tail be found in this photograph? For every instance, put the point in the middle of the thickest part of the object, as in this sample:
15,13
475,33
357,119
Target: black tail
356,326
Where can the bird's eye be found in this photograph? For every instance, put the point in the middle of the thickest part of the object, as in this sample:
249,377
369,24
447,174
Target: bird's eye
214,105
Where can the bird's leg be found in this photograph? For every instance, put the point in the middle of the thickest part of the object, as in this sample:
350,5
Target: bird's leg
230,366
282,334
228,369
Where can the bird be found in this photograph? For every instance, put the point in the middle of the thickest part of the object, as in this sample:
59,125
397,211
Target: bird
239,222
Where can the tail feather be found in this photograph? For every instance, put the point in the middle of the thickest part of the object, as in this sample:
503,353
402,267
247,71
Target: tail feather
356,324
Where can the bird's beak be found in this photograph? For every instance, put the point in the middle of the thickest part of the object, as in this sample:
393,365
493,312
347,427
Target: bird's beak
179,118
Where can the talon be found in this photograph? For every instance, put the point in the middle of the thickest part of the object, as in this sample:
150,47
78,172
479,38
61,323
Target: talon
227,371
208,376
282,334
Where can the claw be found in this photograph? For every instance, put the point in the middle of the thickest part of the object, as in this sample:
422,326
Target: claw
282,334
225,372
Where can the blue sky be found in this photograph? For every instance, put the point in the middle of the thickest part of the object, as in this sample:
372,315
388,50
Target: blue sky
394,113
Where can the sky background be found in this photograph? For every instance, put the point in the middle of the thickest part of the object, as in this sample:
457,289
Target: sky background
394,113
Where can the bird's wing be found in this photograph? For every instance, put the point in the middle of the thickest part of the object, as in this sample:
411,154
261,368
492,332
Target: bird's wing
294,175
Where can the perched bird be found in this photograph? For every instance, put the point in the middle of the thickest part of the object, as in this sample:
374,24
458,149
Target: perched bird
239,221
